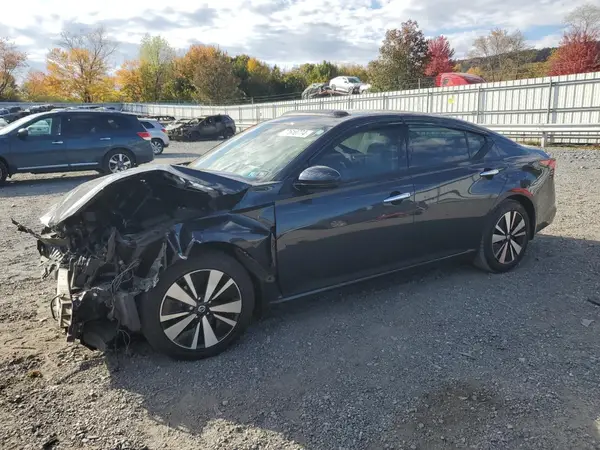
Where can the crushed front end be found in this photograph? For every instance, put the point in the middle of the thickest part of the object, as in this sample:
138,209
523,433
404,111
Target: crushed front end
108,241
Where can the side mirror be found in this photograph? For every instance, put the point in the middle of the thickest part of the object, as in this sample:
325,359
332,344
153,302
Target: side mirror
318,177
23,132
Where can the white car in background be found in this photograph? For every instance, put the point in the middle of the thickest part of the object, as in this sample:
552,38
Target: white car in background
3,122
350,85
159,139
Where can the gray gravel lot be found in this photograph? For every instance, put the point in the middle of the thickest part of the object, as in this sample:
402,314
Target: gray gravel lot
445,357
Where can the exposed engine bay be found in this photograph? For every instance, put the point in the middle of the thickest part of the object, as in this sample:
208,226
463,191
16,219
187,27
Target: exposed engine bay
108,241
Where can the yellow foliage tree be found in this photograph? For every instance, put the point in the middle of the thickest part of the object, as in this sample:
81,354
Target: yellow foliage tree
129,81
475,71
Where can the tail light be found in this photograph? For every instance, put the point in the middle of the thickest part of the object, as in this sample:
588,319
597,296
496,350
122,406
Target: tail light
144,135
164,130
550,163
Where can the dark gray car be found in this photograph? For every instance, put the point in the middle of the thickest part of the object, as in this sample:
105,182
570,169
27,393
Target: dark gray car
70,140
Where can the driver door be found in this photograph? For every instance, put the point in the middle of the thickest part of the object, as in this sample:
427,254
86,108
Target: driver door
363,227
43,149
208,128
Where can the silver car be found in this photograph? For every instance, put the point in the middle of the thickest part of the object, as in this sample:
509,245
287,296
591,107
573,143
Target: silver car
158,135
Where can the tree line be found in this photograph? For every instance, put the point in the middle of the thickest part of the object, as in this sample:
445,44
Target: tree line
80,68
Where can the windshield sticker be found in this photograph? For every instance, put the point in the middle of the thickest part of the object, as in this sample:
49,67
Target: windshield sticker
295,132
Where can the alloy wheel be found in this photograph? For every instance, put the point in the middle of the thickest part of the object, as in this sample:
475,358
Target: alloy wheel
200,309
509,237
157,147
119,162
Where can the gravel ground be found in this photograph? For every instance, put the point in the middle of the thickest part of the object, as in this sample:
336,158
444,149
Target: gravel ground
438,358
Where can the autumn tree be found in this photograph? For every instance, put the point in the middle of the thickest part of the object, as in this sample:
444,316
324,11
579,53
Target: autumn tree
440,56
128,80
500,54
354,70
81,63
211,72
11,61
579,49
402,59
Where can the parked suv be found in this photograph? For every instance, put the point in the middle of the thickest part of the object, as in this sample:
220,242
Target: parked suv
70,140
207,127
158,135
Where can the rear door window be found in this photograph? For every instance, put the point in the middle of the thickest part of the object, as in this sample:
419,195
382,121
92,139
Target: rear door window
431,145
147,125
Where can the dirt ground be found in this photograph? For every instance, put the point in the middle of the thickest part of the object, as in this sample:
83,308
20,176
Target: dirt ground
446,357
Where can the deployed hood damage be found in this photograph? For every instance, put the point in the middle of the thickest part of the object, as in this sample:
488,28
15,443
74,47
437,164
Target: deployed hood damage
108,240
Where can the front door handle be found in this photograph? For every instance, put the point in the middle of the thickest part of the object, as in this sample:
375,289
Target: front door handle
57,142
489,172
105,139
397,198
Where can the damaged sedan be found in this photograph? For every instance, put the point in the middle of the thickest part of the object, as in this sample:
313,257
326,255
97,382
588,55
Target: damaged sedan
188,254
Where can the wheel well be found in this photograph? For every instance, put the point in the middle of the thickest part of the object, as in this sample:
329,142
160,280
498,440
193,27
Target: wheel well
229,249
157,139
529,208
115,150
2,160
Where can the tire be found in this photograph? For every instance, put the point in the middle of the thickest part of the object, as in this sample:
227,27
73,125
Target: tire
3,173
157,146
228,133
196,329
501,251
115,156
332,87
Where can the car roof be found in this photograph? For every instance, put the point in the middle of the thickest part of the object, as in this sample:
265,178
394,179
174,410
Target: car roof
336,117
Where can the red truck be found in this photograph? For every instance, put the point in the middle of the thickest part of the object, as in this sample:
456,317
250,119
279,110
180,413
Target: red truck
457,79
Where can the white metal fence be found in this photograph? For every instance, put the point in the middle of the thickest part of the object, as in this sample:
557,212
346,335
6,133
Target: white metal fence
565,100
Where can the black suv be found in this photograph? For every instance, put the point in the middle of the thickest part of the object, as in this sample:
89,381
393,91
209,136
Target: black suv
206,127
70,140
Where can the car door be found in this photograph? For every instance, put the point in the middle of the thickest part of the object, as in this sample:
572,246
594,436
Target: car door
358,229
208,128
452,190
43,148
88,138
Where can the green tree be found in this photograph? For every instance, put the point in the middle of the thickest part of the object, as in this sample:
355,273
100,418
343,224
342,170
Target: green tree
213,77
156,67
402,59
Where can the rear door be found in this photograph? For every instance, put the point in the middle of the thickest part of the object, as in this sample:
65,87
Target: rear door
43,149
208,128
86,138
361,228
454,188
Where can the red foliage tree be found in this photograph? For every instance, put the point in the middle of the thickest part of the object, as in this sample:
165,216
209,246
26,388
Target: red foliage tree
440,56
579,52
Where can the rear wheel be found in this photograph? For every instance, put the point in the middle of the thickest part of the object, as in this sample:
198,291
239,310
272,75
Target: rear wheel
505,238
117,161
3,172
228,133
157,146
199,307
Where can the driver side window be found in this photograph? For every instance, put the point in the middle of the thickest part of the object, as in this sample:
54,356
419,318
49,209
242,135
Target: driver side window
42,127
366,154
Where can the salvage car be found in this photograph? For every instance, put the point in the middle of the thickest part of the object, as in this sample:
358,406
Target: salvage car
208,127
187,254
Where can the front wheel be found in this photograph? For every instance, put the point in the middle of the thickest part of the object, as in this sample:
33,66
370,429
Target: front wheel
198,308
505,238
3,172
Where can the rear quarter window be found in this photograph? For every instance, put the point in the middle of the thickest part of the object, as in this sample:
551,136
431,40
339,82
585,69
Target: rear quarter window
147,125
505,148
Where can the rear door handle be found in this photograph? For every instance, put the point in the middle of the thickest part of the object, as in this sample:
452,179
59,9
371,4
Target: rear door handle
489,172
105,139
57,142
397,198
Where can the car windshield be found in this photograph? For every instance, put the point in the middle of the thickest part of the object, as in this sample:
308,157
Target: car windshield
262,151
353,80
17,124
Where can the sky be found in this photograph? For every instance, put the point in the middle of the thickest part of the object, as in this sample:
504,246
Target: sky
283,32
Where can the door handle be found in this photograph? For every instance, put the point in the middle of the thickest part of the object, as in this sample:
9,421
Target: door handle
57,142
489,172
105,139
397,198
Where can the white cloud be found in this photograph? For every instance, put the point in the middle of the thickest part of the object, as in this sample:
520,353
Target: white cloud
285,32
